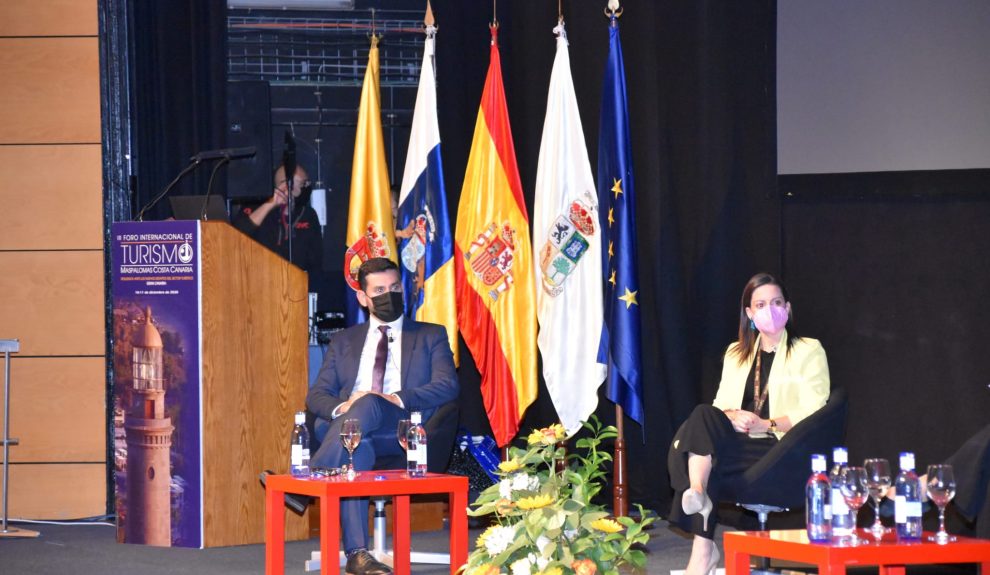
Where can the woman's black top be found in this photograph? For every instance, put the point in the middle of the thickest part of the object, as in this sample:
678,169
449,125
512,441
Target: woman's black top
748,402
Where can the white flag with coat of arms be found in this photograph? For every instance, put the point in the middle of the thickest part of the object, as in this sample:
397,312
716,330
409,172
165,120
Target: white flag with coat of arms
567,248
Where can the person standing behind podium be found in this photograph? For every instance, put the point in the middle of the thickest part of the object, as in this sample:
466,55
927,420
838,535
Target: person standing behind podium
378,373
269,223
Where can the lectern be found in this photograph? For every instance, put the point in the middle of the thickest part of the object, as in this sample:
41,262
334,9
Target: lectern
210,364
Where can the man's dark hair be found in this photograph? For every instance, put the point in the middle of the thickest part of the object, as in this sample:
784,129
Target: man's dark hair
374,266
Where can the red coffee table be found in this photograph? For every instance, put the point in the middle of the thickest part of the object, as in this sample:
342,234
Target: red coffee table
890,555
396,484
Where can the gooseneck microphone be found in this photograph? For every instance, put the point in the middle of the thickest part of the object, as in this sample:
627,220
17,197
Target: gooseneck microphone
225,154
289,165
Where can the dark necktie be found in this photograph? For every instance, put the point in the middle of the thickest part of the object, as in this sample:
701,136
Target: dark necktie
378,372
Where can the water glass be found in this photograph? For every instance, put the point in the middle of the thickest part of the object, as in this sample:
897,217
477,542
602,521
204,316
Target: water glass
941,484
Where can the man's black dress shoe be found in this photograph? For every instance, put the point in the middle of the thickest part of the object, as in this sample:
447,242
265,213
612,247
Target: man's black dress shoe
360,562
293,501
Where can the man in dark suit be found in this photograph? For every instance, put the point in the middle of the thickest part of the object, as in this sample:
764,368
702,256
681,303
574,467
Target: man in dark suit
378,373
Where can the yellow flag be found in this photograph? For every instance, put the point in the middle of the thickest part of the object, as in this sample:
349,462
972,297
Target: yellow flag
370,229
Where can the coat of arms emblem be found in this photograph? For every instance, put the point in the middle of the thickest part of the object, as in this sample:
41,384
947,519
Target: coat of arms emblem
373,244
491,256
567,242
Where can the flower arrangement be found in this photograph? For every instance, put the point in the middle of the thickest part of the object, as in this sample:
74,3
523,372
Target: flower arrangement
546,521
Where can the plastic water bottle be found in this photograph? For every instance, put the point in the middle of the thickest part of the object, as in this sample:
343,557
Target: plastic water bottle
416,446
299,453
907,502
843,520
817,508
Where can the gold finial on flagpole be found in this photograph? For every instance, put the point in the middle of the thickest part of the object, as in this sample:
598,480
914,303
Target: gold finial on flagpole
428,19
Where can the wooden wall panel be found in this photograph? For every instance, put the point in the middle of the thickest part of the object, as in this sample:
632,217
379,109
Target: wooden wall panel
51,92
46,391
48,18
53,302
63,209
66,491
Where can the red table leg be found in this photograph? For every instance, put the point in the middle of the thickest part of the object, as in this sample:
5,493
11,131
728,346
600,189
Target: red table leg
736,562
329,535
459,530
400,534
274,532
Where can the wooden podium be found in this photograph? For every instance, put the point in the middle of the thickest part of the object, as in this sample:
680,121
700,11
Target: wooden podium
255,353
251,315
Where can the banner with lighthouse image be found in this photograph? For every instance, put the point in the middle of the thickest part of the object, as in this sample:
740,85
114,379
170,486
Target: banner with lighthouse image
156,397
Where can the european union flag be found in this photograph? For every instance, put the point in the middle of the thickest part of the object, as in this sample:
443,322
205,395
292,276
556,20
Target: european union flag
617,203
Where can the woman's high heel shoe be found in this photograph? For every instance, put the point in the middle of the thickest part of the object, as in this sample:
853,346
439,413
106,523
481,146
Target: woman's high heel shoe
697,502
713,563
712,566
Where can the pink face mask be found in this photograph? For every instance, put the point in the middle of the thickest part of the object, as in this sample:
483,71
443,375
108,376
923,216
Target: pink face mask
770,319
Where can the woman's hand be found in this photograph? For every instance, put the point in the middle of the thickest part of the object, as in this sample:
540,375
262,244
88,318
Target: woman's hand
747,421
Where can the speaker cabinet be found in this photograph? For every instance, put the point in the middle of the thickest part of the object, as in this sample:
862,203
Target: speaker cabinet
249,123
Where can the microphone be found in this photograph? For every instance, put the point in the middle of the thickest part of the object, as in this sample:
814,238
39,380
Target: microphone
289,165
225,154
289,160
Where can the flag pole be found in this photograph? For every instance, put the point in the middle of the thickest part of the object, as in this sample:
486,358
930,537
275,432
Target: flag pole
620,497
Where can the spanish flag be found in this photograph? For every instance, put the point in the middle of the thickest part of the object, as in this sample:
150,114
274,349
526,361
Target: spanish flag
493,258
370,229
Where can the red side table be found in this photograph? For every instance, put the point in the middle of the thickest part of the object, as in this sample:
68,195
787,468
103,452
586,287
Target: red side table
889,554
396,484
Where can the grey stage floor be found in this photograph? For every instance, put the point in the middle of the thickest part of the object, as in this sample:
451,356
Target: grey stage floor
93,549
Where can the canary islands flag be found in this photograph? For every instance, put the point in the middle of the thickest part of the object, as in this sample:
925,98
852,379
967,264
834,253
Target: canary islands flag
567,241
426,246
370,229
620,335
494,264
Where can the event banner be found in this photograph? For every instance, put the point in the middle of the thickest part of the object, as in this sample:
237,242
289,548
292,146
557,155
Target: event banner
157,391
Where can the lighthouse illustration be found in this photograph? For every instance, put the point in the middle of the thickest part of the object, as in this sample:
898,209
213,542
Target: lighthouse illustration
149,442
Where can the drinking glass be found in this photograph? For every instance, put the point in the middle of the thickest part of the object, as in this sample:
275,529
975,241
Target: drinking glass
941,490
350,434
402,430
878,479
852,485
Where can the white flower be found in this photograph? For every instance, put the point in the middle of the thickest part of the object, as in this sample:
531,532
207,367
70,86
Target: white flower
541,562
534,483
521,566
505,489
541,542
524,482
499,539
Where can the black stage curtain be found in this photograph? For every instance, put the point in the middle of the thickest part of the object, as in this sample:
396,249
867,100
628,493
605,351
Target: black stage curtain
701,83
179,97
890,265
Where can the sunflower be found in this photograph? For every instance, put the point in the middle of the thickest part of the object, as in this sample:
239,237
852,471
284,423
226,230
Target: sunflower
535,502
606,525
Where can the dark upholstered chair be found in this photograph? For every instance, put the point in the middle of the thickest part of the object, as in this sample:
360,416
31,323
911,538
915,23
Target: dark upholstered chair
776,482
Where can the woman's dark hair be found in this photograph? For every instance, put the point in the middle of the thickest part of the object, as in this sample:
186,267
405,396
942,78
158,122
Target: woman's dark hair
747,335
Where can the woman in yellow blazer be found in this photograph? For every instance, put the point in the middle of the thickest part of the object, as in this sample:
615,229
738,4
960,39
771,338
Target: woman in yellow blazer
771,380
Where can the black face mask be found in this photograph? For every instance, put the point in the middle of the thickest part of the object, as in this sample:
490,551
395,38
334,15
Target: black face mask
388,306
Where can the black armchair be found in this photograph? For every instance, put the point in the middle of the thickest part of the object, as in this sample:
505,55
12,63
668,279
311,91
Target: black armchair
776,482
